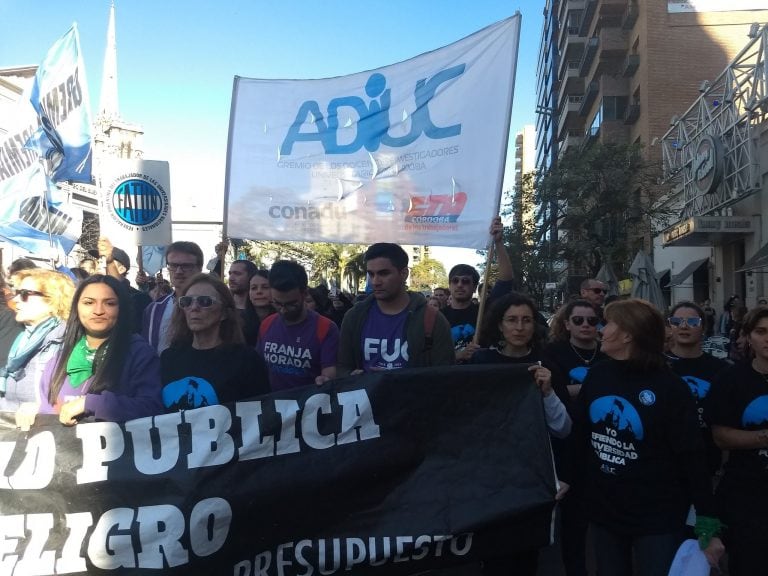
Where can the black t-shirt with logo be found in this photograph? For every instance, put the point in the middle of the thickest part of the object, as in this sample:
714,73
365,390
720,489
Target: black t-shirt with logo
699,373
644,462
739,399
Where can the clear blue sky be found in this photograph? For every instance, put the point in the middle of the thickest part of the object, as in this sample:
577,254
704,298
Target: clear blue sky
177,60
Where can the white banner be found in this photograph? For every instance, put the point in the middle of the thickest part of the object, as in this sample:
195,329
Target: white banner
411,153
715,5
135,204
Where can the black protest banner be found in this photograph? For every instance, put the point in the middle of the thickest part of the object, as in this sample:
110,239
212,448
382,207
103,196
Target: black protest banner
387,473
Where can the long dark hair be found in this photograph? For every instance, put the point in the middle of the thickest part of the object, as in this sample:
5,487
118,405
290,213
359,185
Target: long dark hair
251,315
490,334
111,355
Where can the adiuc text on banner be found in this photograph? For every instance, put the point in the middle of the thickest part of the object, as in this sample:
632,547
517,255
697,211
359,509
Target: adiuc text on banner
135,207
413,152
59,95
391,472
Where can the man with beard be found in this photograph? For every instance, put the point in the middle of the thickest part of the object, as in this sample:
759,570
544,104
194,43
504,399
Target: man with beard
299,345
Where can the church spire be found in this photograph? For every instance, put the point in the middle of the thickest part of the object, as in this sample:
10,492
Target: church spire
108,107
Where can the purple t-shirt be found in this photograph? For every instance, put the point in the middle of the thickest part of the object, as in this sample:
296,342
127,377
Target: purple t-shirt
293,354
383,340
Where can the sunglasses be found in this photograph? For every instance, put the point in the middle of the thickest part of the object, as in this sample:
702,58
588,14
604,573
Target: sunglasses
24,294
579,320
174,267
599,290
202,301
676,321
465,280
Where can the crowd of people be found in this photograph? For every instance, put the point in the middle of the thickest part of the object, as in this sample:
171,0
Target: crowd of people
644,424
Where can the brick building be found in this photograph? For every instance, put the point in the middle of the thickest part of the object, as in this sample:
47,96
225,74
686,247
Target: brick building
619,70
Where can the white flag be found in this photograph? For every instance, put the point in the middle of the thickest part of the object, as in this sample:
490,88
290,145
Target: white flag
410,153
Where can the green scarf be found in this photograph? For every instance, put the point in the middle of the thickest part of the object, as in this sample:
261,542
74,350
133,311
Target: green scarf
80,363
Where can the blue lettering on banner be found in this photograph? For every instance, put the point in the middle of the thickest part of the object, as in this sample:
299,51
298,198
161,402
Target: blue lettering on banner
373,123
137,202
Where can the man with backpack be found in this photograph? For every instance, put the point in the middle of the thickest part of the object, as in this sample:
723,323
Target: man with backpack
298,344
392,328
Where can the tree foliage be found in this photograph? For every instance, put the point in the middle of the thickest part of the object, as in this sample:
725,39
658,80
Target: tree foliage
427,275
604,196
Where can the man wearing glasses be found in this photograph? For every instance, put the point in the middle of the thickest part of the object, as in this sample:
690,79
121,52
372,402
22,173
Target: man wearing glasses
594,291
696,367
298,345
463,279
183,260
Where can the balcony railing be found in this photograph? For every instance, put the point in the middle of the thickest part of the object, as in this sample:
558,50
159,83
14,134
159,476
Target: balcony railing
630,66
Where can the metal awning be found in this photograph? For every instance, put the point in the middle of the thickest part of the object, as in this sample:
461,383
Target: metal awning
758,260
678,279
661,273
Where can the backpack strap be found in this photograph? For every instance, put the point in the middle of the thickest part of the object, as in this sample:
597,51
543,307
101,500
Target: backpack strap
323,325
430,315
266,323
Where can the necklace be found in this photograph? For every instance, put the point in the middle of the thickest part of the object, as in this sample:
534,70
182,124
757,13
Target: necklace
586,361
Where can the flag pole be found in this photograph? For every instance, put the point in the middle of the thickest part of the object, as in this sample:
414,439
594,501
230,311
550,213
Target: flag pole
44,202
502,169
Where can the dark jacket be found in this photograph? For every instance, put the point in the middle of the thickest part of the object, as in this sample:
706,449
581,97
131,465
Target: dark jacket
440,352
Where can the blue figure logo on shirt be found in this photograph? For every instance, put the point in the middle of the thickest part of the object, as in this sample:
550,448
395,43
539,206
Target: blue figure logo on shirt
756,413
462,335
189,393
618,414
578,374
699,388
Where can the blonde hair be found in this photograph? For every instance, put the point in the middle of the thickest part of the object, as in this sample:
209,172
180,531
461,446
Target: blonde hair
57,287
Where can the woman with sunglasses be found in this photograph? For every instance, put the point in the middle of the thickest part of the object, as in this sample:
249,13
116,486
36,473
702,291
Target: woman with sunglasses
511,336
738,414
574,349
697,368
103,370
42,300
208,361
640,450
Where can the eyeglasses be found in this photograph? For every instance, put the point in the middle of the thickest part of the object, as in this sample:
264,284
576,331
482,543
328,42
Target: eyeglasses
466,280
294,305
579,320
202,301
24,294
599,290
177,267
677,321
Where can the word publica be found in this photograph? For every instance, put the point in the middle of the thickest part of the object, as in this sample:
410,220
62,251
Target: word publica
157,532
156,439
373,123
329,556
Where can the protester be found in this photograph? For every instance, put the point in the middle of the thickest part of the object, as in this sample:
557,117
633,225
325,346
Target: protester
9,328
442,296
434,301
392,328
738,413
43,299
710,318
575,346
340,305
725,323
259,304
298,345
574,350
184,260
117,265
643,463
463,279
20,264
208,361
240,274
102,369
512,335
735,352
595,292
697,368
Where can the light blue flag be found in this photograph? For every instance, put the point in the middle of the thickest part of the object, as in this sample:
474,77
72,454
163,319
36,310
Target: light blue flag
59,95
153,259
26,216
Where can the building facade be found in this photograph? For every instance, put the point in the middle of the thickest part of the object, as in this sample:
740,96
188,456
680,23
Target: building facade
618,71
